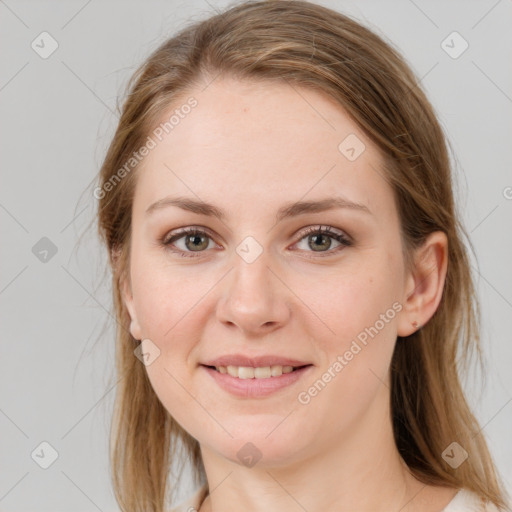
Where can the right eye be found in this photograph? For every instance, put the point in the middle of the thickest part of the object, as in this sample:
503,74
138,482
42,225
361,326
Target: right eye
191,239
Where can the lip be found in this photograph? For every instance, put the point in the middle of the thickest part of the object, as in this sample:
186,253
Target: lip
255,388
254,362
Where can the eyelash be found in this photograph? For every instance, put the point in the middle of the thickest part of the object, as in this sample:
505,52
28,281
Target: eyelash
320,230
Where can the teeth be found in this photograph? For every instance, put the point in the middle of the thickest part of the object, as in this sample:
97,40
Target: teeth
247,372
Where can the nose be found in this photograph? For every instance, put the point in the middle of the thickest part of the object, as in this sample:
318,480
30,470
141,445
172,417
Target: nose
254,297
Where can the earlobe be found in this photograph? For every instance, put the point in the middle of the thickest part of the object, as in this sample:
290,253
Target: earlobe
424,284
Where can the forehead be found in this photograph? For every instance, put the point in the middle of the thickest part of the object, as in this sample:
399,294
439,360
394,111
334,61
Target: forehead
266,140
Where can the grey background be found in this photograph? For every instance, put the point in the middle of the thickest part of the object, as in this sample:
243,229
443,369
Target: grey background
56,380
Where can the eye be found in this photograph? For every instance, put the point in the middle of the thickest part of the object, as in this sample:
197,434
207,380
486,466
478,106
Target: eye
319,239
195,240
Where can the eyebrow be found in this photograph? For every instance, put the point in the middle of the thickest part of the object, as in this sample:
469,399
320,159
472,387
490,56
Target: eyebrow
289,210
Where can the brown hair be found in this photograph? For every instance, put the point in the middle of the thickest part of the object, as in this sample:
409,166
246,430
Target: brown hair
310,46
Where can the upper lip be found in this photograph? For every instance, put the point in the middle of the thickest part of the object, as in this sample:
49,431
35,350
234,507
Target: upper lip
255,362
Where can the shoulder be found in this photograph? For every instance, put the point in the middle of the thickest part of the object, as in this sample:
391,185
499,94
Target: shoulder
469,501
192,503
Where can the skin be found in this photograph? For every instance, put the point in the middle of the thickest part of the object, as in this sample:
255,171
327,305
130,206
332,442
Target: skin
278,144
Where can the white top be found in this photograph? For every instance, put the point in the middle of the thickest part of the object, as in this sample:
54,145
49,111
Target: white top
463,501
468,501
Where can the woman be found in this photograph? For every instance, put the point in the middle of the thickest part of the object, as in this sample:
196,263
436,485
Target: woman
289,274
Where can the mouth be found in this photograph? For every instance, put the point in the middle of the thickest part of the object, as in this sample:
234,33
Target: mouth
262,372
248,382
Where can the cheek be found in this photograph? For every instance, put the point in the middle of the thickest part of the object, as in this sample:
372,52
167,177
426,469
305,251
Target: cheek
164,295
153,304
173,306
362,313
165,303
354,303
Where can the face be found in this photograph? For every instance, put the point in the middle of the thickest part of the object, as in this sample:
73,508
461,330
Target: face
320,286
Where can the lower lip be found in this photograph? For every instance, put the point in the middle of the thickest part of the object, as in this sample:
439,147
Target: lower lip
255,388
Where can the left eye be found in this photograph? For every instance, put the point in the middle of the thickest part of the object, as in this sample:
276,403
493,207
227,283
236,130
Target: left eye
197,240
318,238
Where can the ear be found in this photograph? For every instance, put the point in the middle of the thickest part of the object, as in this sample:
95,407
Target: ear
424,284
127,297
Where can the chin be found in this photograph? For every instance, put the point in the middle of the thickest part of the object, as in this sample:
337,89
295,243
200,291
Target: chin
254,446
